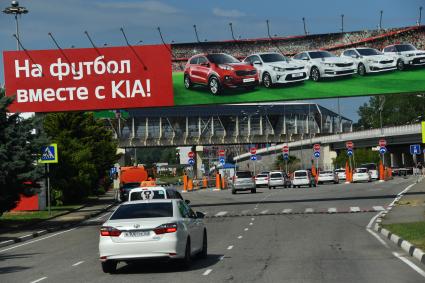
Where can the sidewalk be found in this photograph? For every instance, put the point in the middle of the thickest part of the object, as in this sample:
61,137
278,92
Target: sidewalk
94,208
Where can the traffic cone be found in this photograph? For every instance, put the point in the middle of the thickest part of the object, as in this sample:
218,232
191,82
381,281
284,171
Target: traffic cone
204,183
217,181
381,172
347,173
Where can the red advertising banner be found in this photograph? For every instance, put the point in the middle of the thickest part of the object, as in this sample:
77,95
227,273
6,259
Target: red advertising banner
89,78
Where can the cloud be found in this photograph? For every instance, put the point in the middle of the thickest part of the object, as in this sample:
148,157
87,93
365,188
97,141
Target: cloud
228,13
147,6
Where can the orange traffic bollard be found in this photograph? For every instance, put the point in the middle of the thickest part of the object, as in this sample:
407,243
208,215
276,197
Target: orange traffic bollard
204,183
190,184
217,181
184,183
381,171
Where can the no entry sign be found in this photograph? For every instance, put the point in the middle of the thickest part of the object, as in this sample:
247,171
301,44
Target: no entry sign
285,149
253,150
349,144
382,143
316,147
191,154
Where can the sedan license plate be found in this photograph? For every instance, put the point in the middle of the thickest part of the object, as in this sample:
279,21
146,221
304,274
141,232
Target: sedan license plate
248,80
137,234
297,75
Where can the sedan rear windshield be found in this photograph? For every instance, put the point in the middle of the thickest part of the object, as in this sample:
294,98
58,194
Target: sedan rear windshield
143,210
244,174
222,59
326,172
276,175
320,54
368,52
405,47
159,194
261,175
300,174
361,170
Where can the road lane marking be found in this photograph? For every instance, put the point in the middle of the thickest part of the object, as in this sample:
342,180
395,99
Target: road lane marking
378,208
246,211
78,263
221,257
221,213
264,211
239,237
409,263
208,271
29,235
246,229
332,210
309,210
38,240
230,247
252,219
287,210
38,280
251,224
354,209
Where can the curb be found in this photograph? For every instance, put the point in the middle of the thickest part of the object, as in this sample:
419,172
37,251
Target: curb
399,241
53,229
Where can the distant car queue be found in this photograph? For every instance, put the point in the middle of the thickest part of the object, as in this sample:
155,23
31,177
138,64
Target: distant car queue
218,71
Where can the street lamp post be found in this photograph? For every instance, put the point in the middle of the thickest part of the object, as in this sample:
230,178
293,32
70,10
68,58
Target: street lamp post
342,23
380,19
16,10
420,15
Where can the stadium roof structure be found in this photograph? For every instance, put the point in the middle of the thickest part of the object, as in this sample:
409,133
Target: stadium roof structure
276,108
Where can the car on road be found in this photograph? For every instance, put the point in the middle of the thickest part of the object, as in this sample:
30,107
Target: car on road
152,229
370,60
274,68
372,168
218,71
147,193
405,55
303,178
262,180
278,179
327,177
362,175
126,188
341,173
242,181
323,64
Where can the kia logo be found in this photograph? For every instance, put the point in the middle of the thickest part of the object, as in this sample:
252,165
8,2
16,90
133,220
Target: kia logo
136,226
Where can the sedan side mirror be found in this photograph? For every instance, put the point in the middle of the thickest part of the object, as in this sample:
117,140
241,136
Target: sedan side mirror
199,214
257,63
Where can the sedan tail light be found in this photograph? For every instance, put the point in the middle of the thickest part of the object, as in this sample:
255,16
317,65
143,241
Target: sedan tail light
166,228
109,231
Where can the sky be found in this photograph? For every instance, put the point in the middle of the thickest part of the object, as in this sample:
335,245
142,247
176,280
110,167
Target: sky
68,19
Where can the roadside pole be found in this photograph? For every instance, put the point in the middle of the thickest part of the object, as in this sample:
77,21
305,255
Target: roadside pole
49,154
48,188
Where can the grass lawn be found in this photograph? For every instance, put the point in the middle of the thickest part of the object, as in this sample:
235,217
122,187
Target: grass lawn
18,218
409,81
170,179
413,232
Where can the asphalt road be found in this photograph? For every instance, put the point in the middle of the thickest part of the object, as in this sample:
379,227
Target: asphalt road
282,235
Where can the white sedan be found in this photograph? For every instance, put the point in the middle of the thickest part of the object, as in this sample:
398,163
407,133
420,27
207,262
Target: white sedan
323,64
152,229
405,55
274,68
370,60
328,176
362,175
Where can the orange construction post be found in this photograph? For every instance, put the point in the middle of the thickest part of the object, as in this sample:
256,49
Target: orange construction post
204,183
217,181
381,171
347,173
223,182
190,184
184,183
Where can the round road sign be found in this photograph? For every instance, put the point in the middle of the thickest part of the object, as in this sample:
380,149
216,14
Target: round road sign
221,152
349,152
382,150
253,157
253,150
191,154
191,161
349,144
317,154
316,147
285,156
382,143
285,148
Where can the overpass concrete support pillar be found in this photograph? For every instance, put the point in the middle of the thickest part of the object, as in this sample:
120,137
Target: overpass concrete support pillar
392,159
403,159
199,152
328,155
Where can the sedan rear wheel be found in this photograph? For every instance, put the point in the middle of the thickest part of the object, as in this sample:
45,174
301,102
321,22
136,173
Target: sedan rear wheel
187,260
204,251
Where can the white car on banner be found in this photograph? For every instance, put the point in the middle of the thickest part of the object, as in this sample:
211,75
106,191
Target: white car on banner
323,64
274,68
370,60
405,54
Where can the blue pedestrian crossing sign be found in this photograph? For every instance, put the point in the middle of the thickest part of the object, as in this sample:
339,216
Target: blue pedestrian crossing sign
415,149
49,154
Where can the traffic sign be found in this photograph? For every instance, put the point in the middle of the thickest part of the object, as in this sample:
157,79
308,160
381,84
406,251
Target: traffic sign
253,150
191,154
191,162
253,157
316,147
382,143
285,156
49,154
222,160
415,149
221,152
349,152
349,144
317,154
382,150
285,148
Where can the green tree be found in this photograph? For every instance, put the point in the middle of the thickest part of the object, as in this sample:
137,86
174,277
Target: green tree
293,163
397,109
19,145
361,155
86,151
